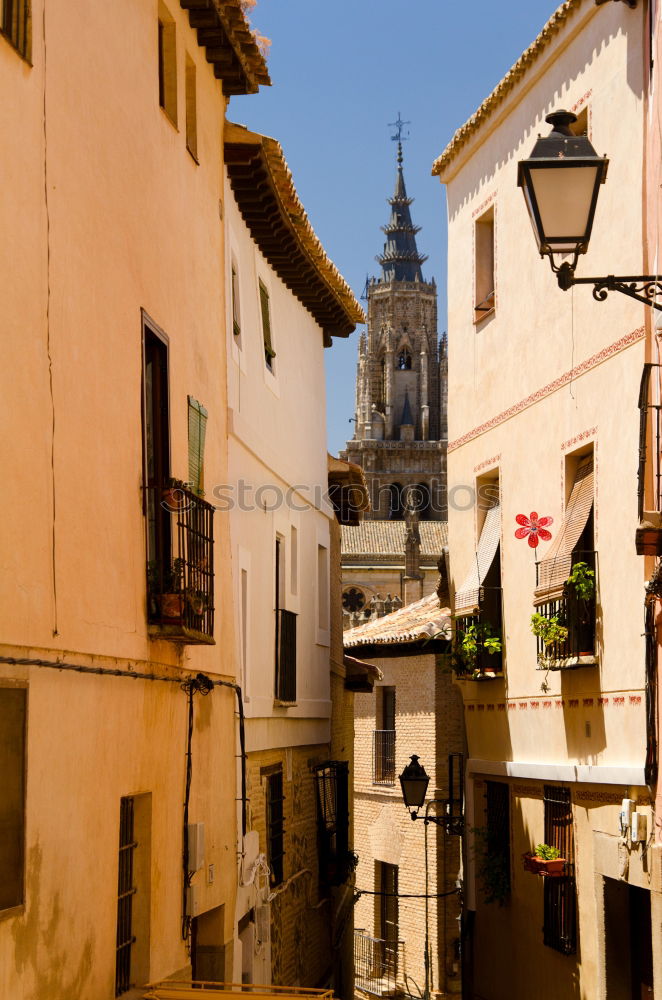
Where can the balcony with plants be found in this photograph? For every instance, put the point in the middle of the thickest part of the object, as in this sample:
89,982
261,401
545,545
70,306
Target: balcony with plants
478,644
180,567
565,625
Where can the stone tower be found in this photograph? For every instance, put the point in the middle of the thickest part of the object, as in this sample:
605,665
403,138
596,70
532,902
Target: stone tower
400,424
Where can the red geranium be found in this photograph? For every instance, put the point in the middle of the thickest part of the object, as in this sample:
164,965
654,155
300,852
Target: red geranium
534,528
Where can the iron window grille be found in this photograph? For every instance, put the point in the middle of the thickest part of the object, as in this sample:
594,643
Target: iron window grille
376,963
180,579
578,615
275,826
286,655
560,894
488,620
332,785
125,893
383,757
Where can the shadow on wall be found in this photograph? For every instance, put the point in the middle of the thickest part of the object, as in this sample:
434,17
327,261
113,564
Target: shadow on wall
583,715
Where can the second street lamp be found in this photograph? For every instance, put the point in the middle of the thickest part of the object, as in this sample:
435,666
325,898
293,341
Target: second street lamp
561,181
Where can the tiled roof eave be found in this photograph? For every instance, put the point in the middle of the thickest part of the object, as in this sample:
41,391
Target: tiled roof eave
523,65
267,199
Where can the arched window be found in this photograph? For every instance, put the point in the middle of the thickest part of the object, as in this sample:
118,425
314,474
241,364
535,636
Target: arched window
420,499
395,502
404,360
353,599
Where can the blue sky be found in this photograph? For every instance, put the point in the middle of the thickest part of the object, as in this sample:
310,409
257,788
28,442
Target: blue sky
341,71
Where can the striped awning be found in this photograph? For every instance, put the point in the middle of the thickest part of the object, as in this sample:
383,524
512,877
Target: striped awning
468,596
555,569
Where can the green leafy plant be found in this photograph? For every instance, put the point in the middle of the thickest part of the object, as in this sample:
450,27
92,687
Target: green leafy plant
550,630
472,641
582,581
547,853
170,582
492,867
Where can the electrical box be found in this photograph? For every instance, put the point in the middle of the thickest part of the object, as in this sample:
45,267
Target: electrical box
196,846
627,808
638,829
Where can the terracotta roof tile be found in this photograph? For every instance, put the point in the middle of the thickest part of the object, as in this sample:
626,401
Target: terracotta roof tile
420,620
386,538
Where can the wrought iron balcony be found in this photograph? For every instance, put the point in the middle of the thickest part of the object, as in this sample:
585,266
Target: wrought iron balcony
578,616
476,630
286,656
379,965
180,569
383,757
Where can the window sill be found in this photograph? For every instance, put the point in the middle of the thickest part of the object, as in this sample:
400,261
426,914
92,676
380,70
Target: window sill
479,317
570,663
285,704
12,911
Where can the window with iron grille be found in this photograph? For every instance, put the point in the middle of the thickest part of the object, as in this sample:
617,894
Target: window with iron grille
383,745
275,826
125,893
560,894
16,25
336,860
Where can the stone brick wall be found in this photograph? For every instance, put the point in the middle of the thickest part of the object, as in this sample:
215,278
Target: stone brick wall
429,722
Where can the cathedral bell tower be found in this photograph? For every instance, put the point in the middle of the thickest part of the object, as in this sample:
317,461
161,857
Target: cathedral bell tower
400,422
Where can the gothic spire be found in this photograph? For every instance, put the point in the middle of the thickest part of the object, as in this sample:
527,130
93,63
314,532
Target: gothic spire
400,260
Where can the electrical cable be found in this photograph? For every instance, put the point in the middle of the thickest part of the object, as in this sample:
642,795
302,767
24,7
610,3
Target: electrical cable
410,895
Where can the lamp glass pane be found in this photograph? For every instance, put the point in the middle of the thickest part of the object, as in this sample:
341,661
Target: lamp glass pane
564,196
414,790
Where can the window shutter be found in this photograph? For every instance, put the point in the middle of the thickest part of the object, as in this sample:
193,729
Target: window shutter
197,428
468,596
269,352
555,569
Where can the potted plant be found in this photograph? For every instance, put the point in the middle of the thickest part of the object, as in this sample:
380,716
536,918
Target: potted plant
545,860
550,630
470,644
580,589
166,589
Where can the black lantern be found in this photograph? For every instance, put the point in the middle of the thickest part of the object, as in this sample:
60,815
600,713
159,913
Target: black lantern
561,180
414,783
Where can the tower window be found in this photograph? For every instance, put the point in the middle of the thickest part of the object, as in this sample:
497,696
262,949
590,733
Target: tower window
404,360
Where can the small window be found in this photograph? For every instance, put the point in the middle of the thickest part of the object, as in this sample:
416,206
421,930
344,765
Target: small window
13,704
197,430
484,265
234,291
16,25
191,109
265,308
383,745
580,127
404,360
496,876
294,560
167,64
275,826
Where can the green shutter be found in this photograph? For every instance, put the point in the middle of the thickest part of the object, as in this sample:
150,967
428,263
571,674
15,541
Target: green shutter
269,352
197,428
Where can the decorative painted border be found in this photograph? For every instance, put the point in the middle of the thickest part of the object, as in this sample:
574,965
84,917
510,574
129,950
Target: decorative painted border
584,436
485,204
596,359
488,461
617,701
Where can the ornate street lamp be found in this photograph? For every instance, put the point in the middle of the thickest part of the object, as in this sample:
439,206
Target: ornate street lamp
561,182
414,782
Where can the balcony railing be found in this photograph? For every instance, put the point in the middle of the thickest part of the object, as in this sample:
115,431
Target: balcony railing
379,965
576,614
286,656
383,757
485,624
180,571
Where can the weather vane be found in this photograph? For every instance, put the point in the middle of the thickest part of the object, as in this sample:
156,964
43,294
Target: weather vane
399,135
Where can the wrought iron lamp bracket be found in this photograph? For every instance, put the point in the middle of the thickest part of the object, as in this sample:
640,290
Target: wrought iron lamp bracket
642,287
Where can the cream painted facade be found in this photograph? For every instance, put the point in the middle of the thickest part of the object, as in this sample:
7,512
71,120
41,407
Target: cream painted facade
542,380
111,230
285,555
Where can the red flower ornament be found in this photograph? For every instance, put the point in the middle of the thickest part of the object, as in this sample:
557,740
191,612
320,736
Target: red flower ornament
534,528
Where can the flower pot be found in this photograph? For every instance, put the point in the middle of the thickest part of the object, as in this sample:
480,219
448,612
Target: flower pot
173,498
171,605
538,866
